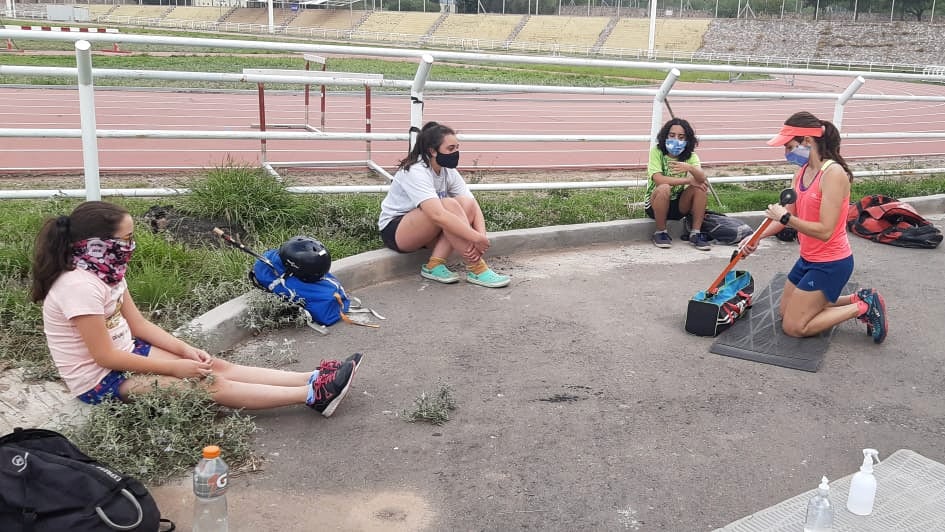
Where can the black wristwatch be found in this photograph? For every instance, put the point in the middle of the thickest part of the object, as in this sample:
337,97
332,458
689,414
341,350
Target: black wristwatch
786,218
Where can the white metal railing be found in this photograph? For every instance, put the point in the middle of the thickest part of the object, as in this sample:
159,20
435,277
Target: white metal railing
89,132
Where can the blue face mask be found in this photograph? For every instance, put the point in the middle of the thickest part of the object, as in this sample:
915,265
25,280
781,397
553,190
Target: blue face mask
675,146
800,155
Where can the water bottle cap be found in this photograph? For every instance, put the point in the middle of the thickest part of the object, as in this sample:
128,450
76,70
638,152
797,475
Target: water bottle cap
211,451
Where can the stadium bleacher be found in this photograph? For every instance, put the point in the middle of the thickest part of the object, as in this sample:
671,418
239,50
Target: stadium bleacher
485,27
260,16
201,14
680,35
874,42
573,31
98,10
403,22
133,11
336,19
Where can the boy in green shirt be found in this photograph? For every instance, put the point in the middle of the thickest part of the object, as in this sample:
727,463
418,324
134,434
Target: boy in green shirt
676,184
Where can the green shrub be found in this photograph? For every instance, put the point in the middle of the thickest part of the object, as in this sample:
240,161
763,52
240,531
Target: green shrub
160,434
243,195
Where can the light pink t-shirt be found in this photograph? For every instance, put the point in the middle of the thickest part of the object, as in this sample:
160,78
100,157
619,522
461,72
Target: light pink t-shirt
75,293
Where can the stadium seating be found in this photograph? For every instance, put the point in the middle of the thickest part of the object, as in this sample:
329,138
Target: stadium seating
133,11
98,10
574,31
681,35
201,14
403,22
260,16
336,19
484,27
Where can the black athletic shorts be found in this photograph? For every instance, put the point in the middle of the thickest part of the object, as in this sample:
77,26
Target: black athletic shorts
389,234
672,214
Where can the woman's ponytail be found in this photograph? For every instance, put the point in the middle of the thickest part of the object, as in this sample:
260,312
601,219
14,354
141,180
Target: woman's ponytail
52,255
831,146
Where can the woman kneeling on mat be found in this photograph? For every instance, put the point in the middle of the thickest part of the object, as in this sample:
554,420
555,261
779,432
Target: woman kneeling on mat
104,348
429,205
811,302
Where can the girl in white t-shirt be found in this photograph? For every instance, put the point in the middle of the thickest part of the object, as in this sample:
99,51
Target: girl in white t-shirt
429,205
105,348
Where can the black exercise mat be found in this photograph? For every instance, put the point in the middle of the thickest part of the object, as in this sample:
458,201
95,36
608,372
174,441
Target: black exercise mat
757,335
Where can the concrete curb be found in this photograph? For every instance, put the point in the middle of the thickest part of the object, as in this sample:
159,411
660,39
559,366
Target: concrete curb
221,324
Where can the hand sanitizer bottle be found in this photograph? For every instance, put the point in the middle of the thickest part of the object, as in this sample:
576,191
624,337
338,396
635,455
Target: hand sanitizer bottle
863,485
819,510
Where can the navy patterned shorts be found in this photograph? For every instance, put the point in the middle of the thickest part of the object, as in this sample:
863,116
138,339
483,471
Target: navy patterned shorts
107,388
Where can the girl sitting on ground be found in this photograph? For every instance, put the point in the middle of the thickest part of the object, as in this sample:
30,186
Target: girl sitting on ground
429,205
105,348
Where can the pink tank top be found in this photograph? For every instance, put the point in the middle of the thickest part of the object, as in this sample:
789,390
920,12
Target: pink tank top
808,208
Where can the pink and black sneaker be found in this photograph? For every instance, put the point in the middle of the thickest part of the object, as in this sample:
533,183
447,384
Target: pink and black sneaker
331,386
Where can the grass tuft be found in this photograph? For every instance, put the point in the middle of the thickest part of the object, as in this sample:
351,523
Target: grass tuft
243,195
433,407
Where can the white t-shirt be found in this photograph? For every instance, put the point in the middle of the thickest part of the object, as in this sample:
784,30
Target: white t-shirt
412,187
75,293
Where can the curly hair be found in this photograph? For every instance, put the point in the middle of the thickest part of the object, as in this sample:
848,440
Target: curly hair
691,139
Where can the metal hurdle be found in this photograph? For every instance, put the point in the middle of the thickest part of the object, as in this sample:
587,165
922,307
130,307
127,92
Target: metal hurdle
314,75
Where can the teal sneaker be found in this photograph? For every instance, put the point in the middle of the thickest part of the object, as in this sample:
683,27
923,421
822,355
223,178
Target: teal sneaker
440,274
488,278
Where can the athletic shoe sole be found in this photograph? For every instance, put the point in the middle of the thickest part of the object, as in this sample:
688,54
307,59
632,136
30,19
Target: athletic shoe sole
882,311
430,276
356,358
500,284
662,245
330,409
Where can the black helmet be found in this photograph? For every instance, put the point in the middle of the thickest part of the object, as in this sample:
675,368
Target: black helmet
305,258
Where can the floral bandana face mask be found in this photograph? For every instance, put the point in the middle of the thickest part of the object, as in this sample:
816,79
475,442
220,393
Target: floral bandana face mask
107,258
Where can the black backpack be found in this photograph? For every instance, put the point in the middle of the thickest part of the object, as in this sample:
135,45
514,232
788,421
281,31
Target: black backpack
719,227
48,485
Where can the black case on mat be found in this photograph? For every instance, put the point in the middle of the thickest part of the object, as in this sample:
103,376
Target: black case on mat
710,318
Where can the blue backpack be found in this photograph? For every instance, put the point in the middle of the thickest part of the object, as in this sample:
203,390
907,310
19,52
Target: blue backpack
325,300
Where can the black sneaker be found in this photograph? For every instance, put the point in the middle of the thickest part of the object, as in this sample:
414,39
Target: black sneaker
330,388
876,317
333,365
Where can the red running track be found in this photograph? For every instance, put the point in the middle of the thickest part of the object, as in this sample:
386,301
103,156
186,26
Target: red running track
468,113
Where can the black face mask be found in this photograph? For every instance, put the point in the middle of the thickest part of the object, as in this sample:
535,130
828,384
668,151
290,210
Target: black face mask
448,160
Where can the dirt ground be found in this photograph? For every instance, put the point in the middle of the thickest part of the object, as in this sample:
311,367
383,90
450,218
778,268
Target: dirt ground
583,404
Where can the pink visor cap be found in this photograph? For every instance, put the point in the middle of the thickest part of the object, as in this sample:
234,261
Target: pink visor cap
787,133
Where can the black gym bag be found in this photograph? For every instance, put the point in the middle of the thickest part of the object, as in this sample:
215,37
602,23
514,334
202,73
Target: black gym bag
48,485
